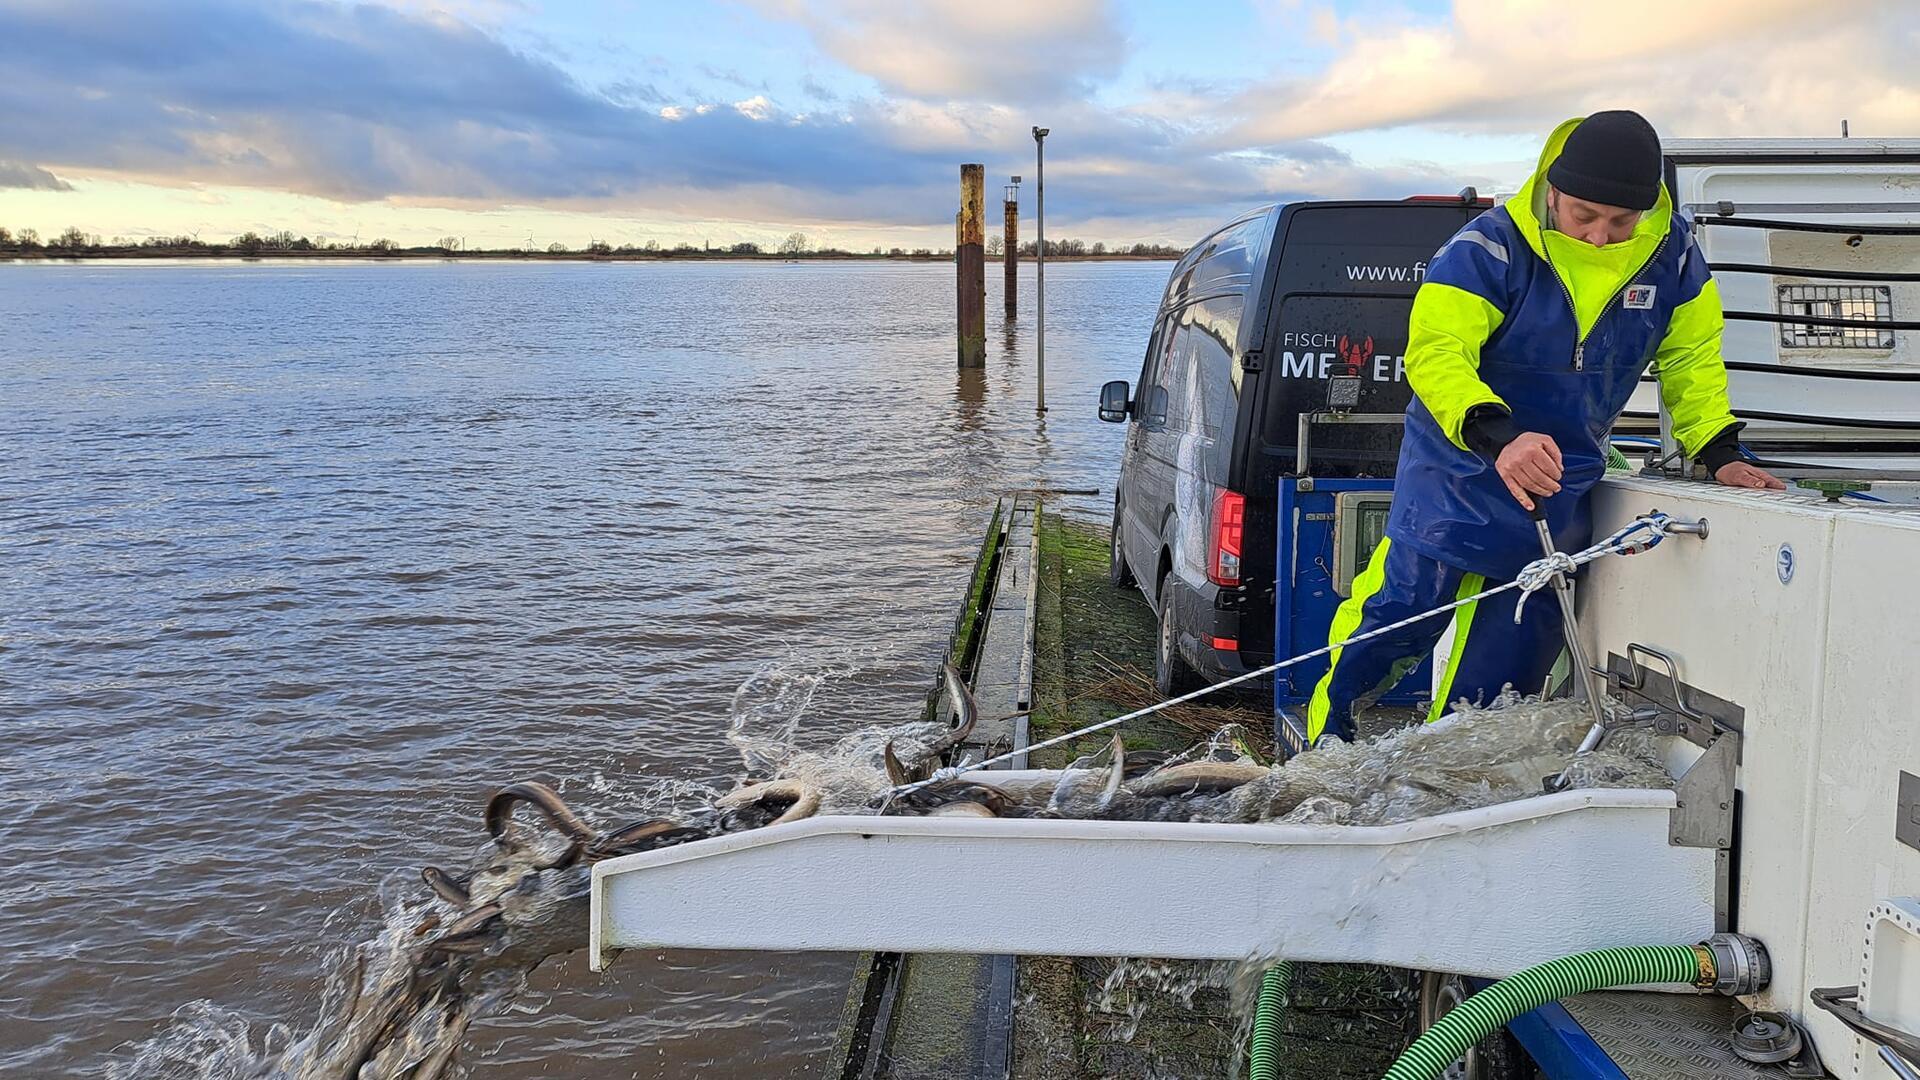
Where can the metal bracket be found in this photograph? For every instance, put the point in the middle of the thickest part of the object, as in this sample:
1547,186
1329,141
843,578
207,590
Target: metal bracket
1303,455
1676,708
1703,811
1906,827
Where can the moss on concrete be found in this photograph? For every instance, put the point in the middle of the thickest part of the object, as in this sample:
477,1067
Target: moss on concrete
1085,628
967,624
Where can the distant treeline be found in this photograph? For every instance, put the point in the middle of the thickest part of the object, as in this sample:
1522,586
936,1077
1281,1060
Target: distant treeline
77,242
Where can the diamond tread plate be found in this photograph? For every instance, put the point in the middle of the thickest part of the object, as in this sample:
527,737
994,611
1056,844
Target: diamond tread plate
1667,1036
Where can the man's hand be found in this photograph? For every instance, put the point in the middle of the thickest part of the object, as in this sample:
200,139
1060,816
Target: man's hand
1530,465
1742,475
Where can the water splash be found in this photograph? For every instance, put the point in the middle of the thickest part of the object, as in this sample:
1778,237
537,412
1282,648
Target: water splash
1472,758
764,718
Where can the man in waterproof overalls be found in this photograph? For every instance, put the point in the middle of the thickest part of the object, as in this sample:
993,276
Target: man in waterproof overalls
1528,334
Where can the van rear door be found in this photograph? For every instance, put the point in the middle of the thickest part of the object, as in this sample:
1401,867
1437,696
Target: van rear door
1339,292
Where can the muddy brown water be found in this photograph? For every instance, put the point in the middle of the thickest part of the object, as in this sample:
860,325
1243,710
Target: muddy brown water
297,561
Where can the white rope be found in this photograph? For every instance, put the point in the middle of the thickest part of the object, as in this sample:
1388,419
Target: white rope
1641,534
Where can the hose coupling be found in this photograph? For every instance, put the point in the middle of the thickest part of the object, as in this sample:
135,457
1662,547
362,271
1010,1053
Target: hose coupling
1733,964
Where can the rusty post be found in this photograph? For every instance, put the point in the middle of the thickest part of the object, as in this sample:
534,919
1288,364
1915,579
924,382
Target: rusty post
1011,217
970,263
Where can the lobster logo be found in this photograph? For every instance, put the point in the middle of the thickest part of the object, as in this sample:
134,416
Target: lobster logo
1353,356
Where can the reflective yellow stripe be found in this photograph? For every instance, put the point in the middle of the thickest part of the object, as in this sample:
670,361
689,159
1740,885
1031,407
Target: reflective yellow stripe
1346,621
1462,623
1693,377
1445,334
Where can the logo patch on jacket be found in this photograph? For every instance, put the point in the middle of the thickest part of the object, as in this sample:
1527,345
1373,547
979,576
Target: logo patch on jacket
1639,297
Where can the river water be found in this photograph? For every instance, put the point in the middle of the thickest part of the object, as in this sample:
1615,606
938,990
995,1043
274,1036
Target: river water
298,561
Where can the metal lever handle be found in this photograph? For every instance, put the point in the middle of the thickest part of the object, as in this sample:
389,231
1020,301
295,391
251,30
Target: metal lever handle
1843,1003
1582,680
1673,675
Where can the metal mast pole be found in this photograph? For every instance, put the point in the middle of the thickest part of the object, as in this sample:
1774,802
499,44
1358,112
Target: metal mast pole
1040,263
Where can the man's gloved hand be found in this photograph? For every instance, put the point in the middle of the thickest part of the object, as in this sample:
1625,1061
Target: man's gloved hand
1530,465
1741,474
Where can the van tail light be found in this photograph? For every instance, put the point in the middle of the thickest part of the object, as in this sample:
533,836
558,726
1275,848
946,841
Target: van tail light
1223,542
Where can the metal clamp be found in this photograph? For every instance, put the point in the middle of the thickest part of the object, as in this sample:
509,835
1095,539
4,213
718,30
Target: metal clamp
1740,965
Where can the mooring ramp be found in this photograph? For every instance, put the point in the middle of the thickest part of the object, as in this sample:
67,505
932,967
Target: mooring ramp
1481,892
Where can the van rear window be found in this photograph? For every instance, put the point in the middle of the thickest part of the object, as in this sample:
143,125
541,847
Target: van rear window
1342,285
1311,338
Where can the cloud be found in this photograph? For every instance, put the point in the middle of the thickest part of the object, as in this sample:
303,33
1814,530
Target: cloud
416,107
991,50
359,103
364,103
732,77
757,107
634,92
19,174
813,89
1720,67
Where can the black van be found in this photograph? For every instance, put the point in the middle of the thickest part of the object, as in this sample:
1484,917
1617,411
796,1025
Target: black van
1261,321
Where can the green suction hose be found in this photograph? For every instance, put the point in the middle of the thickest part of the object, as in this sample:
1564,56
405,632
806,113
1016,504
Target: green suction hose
1263,1049
1490,1009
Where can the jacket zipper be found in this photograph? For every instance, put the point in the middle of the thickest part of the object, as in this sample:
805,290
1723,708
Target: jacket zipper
1580,346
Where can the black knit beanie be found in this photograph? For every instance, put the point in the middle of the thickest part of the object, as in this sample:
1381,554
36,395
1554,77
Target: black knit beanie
1613,158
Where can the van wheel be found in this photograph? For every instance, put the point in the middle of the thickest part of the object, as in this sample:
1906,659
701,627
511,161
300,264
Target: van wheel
1117,570
1496,1057
1171,673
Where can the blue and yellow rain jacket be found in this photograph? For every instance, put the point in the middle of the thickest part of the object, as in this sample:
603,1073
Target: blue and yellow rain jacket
1557,332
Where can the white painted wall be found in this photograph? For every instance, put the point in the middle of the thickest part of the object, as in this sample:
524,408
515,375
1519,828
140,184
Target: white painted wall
1878,184
1824,666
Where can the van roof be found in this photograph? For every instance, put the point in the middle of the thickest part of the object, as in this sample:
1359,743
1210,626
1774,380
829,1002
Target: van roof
1234,257
1227,260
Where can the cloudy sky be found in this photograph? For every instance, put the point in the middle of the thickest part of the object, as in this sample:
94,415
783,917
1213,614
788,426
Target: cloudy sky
631,120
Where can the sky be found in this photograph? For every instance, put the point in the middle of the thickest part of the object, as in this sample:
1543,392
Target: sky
509,122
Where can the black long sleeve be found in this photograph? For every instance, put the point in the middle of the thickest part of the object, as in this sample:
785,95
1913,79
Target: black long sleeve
1722,449
1488,429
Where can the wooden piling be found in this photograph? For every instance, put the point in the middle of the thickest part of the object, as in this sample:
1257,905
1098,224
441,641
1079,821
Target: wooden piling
970,263
1012,241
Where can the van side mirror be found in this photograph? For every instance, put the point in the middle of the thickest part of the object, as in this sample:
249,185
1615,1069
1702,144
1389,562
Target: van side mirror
1114,405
